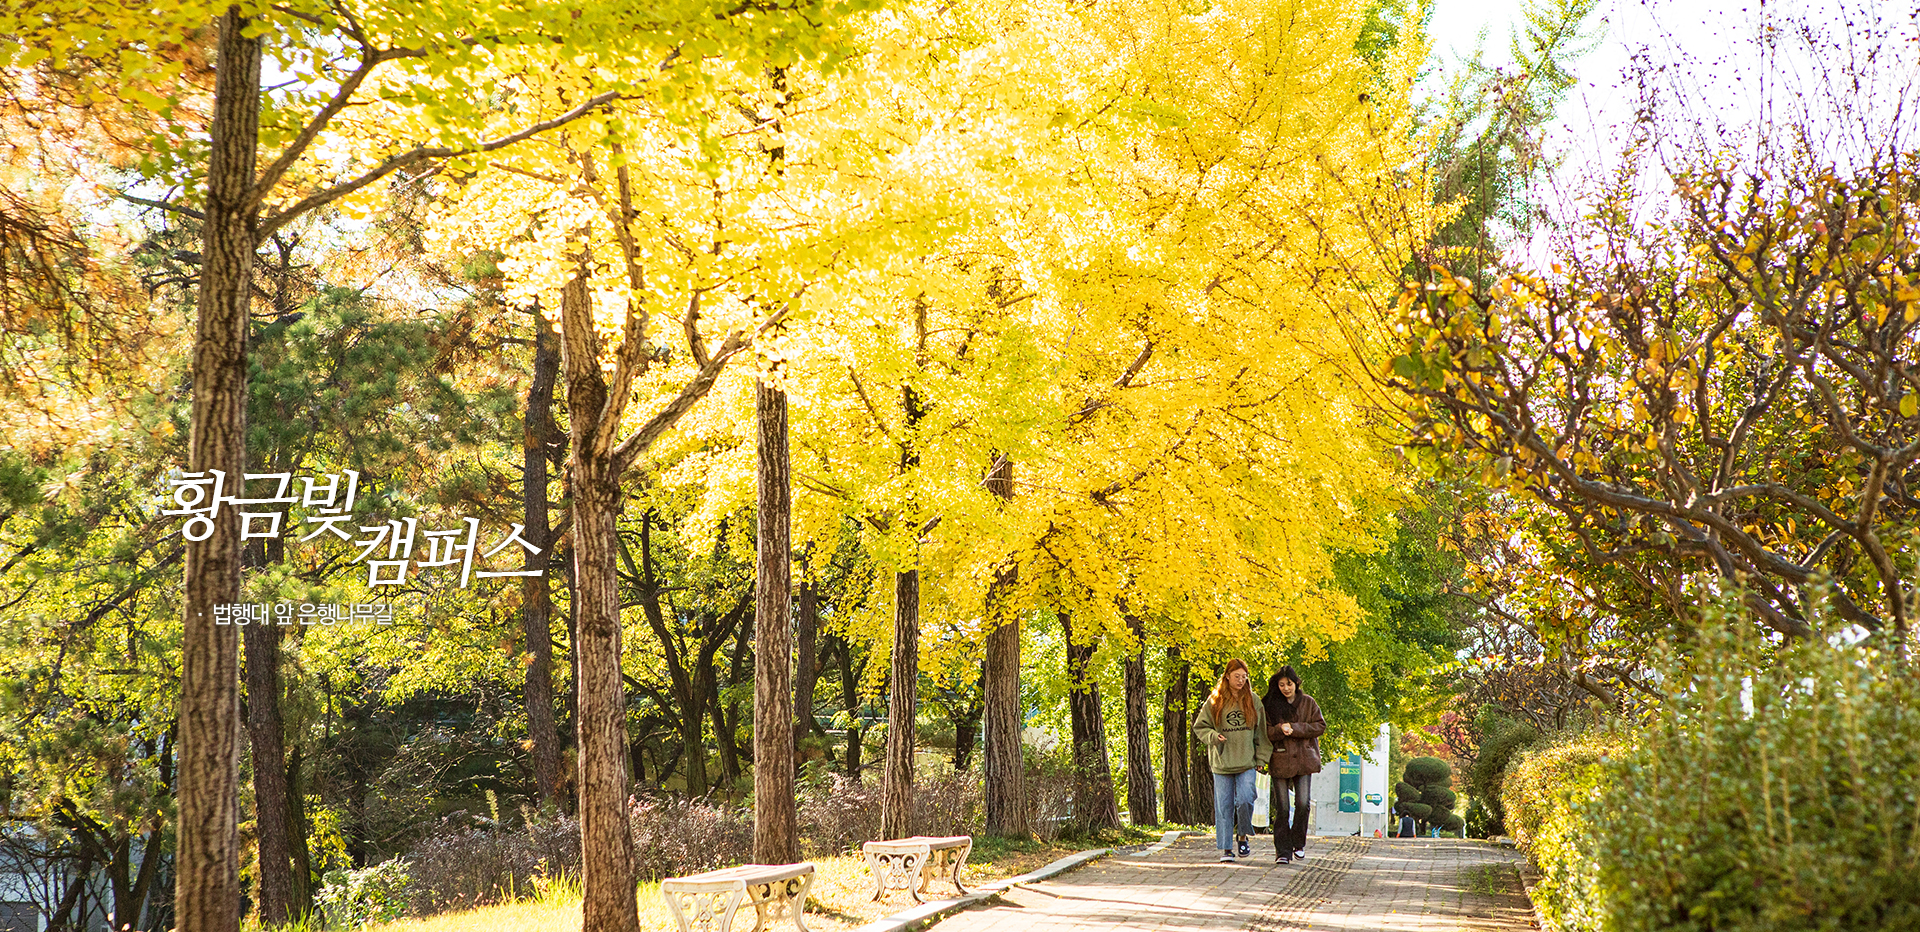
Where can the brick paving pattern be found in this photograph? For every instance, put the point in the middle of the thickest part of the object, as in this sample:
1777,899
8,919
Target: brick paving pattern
1391,885
1406,885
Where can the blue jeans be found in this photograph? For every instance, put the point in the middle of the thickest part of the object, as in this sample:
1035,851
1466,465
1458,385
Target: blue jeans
1232,806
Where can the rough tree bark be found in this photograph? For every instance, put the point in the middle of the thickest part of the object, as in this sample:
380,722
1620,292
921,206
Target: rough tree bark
1094,808
726,713
597,401
536,597
966,730
206,851
806,662
775,827
1173,741
1005,773
302,877
849,700
896,781
606,847
270,800
1141,803
1199,774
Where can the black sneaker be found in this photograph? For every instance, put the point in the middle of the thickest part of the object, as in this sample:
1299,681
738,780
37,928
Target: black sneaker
1283,859
1246,849
1226,857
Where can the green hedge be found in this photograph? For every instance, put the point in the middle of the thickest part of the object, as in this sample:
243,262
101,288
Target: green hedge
1502,739
1776,790
1548,796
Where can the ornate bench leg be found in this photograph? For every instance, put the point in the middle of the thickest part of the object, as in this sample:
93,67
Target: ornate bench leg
800,901
897,872
874,867
916,869
780,899
959,856
695,911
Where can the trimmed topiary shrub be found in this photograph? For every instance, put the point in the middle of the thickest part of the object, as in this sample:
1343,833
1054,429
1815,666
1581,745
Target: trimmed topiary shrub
1426,793
1406,801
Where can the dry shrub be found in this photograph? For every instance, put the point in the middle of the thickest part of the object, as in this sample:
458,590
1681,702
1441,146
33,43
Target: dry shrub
463,867
1050,783
674,836
837,813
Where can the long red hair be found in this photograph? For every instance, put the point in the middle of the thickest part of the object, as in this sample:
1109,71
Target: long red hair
1224,689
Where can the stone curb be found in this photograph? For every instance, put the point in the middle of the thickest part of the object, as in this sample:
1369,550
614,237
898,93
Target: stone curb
1166,841
1530,876
927,913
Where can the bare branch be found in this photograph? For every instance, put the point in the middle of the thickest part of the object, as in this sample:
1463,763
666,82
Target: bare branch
417,156
270,178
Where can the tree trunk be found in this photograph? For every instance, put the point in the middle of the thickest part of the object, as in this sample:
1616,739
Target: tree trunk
536,597
1005,774
301,886
896,782
692,722
855,736
207,846
134,906
726,717
1004,771
69,906
850,700
966,730
1094,806
1173,742
806,662
269,773
1141,805
688,690
775,826
1199,774
606,847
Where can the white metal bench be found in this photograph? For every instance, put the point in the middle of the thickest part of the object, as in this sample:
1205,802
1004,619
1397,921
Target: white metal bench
912,863
706,902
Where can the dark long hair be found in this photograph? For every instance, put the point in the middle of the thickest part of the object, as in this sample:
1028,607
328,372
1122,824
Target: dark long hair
1278,708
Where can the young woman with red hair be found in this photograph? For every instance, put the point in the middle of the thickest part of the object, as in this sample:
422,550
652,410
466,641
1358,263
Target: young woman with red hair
1233,727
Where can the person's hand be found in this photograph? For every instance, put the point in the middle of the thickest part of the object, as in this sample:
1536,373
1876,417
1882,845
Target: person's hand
1286,728
1219,738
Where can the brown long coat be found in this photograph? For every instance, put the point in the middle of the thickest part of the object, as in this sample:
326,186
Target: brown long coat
1298,753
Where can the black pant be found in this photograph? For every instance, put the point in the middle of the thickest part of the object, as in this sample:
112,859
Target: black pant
1289,837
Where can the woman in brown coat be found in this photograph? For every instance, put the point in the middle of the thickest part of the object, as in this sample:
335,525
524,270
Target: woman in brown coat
1294,725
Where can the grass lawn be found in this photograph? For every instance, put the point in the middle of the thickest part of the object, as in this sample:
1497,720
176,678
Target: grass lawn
840,898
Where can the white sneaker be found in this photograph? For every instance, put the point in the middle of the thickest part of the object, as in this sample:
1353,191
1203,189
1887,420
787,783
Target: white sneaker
1299,855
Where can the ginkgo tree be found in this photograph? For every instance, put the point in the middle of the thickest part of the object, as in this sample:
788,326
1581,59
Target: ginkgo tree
1198,444
1099,336
266,160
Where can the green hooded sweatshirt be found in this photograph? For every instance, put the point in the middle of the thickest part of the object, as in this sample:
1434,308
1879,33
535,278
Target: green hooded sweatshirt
1246,741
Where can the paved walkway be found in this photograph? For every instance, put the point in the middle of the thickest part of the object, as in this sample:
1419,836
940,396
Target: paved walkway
1345,885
